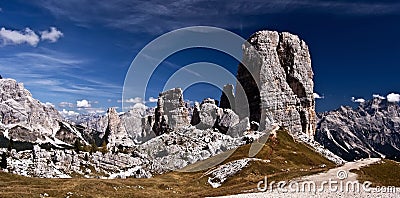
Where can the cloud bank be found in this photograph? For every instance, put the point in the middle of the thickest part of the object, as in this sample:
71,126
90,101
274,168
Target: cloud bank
28,36
357,100
15,37
152,99
393,97
53,35
317,96
66,113
83,104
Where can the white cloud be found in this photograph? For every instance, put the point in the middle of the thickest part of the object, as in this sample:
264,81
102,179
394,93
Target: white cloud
138,100
83,104
392,97
133,100
68,113
54,61
65,104
53,35
378,96
14,37
358,100
317,96
51,72
151,99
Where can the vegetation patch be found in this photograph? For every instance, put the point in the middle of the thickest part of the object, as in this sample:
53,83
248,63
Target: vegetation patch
383,173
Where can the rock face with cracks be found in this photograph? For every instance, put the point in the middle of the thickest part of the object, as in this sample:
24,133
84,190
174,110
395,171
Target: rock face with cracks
370,130
280,91
25,121
227,98
115,134
171,112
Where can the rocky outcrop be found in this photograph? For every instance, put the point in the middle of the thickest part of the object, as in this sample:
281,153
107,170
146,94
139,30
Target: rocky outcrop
167,152
25,121
195,120
370,130
115,134
171,112
211,116
43,163
95,122
240,128
208,114
280,91
227,98
138,124
18,107
184,146
226,119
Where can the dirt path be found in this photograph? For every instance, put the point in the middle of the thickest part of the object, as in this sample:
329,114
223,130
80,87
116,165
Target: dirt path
340,175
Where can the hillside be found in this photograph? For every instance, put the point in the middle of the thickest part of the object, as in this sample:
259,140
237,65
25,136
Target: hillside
279,159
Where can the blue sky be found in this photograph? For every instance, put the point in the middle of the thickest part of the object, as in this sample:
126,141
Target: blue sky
81,50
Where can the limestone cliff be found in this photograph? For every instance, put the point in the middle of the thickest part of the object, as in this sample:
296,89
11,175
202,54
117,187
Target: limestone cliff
24,121
370,130
281,90
115,134
171,112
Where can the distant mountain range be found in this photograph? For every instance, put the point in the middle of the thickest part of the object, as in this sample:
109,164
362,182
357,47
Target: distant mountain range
370,130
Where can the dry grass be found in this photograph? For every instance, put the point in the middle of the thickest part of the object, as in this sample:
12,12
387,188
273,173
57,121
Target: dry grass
288,160
383,173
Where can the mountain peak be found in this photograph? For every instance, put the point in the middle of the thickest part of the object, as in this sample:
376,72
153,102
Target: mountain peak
370,130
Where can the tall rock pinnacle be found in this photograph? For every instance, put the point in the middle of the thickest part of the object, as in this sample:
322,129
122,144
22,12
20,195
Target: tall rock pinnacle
171,112
227,98
115,134
284,74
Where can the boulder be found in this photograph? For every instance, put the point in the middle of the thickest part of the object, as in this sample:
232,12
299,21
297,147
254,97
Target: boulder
208,115
240,128
226,119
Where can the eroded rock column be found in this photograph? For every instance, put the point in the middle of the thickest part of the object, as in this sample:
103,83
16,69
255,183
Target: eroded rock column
281,90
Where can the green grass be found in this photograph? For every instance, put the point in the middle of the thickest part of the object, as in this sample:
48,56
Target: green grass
383,173
288,160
